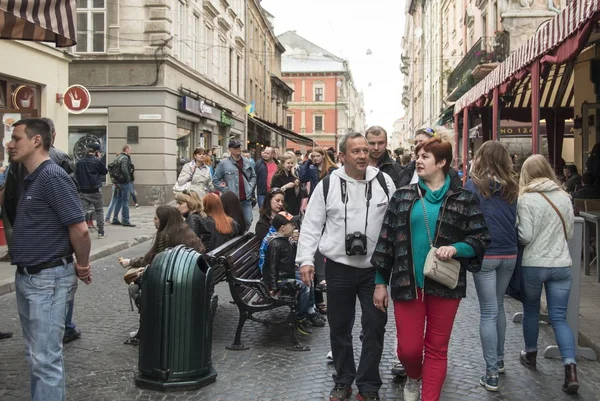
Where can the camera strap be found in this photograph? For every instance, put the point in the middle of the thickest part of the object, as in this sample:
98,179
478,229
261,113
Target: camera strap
344,190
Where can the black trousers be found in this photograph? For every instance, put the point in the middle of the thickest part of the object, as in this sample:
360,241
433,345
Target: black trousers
344,284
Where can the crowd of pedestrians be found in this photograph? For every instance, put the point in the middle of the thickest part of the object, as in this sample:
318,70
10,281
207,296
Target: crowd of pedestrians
356,225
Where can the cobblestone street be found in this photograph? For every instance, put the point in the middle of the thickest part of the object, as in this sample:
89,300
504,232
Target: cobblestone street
100,367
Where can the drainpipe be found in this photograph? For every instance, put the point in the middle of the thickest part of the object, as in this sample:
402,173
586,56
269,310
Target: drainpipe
246,79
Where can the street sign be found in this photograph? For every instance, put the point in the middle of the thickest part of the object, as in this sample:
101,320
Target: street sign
77,99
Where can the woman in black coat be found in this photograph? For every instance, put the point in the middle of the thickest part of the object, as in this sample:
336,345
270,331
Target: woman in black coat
286,180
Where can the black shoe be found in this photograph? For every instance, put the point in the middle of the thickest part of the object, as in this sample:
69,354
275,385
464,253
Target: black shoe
71,335
571,385
302,326
489,382
367,397
398,369
316,320
5,334
128,224
528,359
115,223
340,392
501,366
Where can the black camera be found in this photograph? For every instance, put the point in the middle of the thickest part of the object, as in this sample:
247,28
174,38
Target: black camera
356,244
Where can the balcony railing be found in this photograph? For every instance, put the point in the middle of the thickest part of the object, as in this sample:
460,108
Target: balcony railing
486,50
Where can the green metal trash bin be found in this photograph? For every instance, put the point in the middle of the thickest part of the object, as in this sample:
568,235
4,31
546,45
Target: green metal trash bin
176,322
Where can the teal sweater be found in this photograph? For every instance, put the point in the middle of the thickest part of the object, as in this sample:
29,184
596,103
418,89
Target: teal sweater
419,239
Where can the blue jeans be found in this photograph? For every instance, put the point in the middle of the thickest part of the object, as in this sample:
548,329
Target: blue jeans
111,205
132,192
261,200
122,201
69,324
557,281
491,283
43,300
303,295
247,209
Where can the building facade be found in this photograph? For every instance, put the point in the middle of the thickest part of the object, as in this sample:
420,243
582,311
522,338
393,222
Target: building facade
266,92
165,76
400,138
325,104
475,36
26,90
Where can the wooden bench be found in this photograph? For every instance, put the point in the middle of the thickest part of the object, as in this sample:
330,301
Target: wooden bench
251,295
213,256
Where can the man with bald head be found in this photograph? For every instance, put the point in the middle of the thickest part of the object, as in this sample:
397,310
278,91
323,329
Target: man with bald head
265,168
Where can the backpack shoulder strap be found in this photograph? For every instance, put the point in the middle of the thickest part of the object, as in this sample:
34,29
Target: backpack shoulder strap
325,188
383,184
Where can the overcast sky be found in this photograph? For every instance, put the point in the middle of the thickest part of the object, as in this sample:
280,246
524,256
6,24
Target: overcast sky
347,28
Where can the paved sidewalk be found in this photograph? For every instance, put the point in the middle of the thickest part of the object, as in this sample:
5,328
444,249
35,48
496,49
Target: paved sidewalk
589,311
118,238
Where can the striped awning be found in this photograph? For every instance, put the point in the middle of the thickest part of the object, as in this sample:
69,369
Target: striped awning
550,36
40,21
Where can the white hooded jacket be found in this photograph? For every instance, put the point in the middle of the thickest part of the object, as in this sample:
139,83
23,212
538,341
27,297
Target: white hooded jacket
331,241
540,228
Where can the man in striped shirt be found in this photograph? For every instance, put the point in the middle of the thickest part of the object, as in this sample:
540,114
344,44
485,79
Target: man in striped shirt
49,226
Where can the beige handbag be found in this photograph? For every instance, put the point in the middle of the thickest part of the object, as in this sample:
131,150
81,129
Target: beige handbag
445,272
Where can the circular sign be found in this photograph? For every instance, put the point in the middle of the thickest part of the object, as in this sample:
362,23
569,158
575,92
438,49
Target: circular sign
77,99
23,97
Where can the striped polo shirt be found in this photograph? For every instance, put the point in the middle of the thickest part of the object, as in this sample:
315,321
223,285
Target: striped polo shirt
49,205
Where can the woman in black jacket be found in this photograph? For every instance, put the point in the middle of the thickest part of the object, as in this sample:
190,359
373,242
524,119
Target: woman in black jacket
273,204
220,225
233,208
432,210
287,181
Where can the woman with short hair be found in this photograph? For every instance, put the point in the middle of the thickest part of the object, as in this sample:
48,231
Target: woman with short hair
546,224
432,212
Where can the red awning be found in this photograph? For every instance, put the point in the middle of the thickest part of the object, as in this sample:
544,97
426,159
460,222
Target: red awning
556,42
40,21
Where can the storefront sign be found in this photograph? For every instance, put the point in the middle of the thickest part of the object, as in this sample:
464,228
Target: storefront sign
77,99
196,106
226,120
24,97
150,117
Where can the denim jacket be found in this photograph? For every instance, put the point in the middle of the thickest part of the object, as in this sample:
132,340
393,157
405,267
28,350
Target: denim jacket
226,177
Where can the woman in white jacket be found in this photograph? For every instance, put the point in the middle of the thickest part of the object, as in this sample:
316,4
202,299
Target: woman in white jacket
546,219
197,174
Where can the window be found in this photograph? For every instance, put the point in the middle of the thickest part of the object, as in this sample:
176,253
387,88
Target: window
318,123
208,49
195,45
91,26
289,122
179,30
318,94
239,72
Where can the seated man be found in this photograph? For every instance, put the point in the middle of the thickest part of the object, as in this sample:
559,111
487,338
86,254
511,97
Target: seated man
279,268
588,191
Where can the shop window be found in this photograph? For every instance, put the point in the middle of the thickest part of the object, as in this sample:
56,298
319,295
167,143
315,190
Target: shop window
91,26
318,123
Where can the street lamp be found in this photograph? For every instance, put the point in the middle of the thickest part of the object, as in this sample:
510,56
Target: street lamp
338,85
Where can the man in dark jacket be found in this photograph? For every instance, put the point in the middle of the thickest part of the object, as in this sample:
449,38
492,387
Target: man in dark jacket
89,173
378,154
573,182
123,188
265,168
589,190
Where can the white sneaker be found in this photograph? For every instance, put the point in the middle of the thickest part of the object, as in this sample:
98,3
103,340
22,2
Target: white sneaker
330,356
133,333
412,390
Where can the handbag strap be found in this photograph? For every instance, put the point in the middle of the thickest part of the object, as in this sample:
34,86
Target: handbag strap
557,212
425,216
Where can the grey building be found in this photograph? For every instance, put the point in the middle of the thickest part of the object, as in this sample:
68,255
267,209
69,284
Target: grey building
165,76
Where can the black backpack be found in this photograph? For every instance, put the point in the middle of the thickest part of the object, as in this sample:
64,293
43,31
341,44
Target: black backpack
379,177
115,172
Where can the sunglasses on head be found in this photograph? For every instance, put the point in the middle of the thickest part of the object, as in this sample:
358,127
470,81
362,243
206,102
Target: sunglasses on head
275,191
186,192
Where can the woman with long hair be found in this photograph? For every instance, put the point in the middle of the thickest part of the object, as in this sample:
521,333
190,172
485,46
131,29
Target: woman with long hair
222,228
273,204
191,208
494,183
546,221
197,173
425,309
287,181
233,208
317,167
171,231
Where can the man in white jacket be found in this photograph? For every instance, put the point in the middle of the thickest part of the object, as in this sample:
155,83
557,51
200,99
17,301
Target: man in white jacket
352,211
